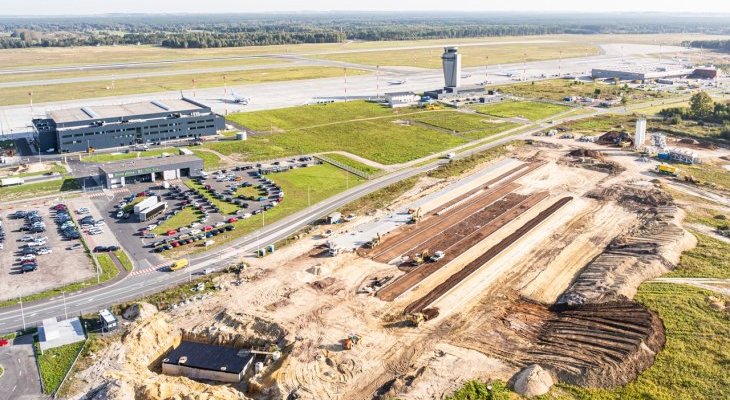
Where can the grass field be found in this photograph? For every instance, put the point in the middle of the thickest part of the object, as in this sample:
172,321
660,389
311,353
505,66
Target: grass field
472,56
311,115
558,89
693,363
352,163
531,110
300,185
708,260
83,90
708,174
54,363
184,218
28,190
126,72
381,140
461,122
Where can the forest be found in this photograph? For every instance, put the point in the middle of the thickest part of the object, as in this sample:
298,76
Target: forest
202,31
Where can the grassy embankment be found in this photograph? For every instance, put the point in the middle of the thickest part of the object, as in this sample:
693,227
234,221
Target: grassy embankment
343,159
54,363
558,89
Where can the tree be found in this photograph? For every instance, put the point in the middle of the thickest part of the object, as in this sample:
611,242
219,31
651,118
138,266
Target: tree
701,105
597,92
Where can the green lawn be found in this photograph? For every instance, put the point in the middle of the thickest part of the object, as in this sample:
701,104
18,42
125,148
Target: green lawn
710,259
64,184
531,110
109,157
184,218
54,363
250,192
341,158
693,363
210,160
708,174
310,115
124,259
461,122
382,140
320,182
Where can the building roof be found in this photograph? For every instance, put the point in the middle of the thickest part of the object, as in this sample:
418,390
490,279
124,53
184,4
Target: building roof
146,163
107,316
91,113
209,357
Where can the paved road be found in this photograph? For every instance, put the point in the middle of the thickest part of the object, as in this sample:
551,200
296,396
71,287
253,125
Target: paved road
21,380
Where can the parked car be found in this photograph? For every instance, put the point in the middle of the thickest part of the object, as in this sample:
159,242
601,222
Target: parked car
74,246
29,267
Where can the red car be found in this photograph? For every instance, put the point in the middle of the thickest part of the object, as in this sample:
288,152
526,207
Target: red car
171,232
208,228
4,342
232,220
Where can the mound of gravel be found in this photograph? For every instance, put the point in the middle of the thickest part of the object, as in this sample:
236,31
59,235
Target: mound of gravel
532,381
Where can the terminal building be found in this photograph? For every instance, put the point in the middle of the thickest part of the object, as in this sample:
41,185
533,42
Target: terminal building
102,127
641,73
121,173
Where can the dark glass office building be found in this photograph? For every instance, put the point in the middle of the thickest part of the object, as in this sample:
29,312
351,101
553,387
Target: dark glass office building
102,127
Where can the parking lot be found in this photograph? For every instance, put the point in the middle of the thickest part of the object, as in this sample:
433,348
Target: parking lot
194,215
51,260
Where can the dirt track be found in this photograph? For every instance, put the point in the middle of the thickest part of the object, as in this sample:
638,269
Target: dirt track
420,304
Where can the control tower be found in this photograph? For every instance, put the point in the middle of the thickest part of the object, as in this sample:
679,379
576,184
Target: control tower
451,60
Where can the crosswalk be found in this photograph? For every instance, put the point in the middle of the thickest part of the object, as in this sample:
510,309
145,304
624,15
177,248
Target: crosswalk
108,193
145,271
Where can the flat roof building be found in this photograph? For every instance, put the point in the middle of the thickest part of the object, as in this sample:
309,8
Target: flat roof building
401,99
108,126
641,72
121,173
207,362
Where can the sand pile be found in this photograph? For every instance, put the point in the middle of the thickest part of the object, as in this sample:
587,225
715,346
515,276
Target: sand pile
532,381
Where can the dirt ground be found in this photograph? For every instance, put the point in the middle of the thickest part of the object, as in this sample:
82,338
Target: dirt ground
489,325
61,267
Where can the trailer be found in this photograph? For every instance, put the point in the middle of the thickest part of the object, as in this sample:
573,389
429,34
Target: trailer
146,203
11,182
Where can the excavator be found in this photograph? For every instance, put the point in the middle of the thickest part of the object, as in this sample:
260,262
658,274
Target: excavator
374,243
416,319
416,215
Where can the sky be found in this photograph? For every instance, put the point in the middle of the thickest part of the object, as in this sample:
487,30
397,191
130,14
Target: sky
78,7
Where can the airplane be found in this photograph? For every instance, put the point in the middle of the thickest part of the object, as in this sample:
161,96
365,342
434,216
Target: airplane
464,76
507,74
397,82
236,98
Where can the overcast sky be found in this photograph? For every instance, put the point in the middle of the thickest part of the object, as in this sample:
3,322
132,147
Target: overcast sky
76,7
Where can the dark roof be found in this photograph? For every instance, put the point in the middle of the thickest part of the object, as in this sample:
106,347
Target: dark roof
209,357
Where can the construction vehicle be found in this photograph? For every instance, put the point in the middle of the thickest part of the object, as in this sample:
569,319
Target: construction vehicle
351,340
178,264
416,319
666,169
374,242
416,215
420,258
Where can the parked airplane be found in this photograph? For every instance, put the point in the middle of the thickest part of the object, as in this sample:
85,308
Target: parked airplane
397,82
236,98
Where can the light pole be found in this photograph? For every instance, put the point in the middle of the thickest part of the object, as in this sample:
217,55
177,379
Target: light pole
377,82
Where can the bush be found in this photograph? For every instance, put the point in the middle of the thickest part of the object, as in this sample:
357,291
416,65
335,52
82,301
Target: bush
475,390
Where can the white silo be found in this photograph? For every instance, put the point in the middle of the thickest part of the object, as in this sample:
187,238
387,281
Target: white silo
640,135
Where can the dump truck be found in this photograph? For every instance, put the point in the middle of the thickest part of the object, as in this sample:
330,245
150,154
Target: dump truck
178,264
666,169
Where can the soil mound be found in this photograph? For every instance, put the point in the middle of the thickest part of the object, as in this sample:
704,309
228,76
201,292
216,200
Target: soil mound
599,345
532,381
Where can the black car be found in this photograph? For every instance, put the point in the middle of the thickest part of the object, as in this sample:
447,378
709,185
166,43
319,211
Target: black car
112,248
29,267
101,249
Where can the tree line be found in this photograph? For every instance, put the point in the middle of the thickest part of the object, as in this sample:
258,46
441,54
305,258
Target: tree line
197,31
703,110
722,45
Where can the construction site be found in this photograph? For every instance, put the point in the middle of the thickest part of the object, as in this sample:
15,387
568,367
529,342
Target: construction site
522,270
